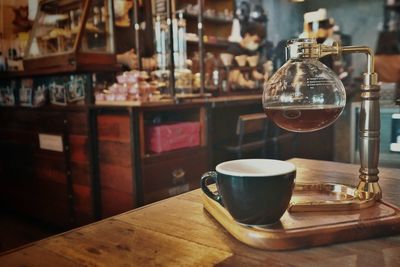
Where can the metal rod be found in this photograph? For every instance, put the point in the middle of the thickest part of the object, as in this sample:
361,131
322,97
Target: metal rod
171,49
363,50
369,127
137,35
201,46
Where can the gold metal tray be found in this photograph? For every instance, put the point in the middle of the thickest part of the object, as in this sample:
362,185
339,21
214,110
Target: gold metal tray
326,197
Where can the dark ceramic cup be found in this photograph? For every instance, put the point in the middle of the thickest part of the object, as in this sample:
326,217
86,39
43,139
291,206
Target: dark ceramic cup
254,191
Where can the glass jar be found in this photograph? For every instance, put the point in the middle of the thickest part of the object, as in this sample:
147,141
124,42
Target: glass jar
304,95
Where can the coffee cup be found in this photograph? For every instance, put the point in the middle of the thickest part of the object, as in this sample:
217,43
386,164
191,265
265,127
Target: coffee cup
254,191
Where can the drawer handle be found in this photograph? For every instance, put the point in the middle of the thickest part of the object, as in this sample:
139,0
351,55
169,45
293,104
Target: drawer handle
178,176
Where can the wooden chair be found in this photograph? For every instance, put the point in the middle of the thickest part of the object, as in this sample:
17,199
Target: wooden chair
253,133
279,136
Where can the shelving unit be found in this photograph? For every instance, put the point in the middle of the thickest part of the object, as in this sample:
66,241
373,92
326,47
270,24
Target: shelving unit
211,44
189,16
235,89
210,24
212,35
58,186
104,168
53,186
78,39
171,172
214,25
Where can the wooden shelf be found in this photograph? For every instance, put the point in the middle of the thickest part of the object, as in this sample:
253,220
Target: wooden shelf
244,68
47,107
245,91
60,70
219,44
154,157
208,19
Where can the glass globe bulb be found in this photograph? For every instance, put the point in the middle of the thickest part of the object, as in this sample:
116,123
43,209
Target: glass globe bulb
304,95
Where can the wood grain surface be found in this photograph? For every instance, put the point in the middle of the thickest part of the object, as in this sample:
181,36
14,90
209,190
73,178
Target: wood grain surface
310,229
179,232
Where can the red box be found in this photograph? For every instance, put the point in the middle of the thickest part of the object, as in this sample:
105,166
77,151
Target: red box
166,137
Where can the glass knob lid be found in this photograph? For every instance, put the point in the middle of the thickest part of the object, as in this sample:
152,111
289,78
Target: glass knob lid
304,95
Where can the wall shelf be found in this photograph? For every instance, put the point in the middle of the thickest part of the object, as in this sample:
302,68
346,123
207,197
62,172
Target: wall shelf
218,44
189,16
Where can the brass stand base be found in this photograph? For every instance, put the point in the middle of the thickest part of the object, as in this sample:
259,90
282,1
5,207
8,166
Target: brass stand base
344,198
369,190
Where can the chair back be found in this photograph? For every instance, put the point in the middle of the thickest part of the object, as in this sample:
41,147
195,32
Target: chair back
251,124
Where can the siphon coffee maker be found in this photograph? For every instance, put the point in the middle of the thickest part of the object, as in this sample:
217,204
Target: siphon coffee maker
305,95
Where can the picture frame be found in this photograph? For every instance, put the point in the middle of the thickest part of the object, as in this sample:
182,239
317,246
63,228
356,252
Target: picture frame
7,93
75,88
58,94
25,93
39,95
40,91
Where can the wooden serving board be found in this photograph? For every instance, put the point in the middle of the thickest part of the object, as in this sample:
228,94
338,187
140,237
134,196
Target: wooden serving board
310,229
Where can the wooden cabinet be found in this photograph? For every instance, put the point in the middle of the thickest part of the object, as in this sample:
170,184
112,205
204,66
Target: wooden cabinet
116,168
173,174
217,23
129,175
78,46
104,167
53,186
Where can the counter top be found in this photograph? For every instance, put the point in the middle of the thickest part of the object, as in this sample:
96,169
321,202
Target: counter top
214,101
179,232
219,101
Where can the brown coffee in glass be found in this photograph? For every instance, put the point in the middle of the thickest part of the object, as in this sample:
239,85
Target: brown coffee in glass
304,95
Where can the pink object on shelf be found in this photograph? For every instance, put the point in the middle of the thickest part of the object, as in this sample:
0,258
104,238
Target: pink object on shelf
166,137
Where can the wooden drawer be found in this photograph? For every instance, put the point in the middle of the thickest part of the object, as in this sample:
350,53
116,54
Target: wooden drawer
173,175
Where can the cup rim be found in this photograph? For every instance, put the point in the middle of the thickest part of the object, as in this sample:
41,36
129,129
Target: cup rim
279,167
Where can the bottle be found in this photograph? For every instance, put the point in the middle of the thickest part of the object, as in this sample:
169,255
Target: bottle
182,56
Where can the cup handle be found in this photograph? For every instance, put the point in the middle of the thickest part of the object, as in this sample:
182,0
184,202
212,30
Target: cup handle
214,196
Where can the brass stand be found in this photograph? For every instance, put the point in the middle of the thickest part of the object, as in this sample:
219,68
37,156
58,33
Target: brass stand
346,198
368,189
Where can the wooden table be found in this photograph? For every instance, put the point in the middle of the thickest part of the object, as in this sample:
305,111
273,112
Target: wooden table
178,232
